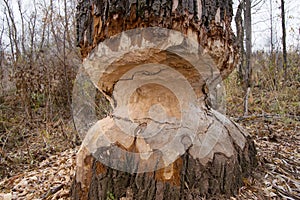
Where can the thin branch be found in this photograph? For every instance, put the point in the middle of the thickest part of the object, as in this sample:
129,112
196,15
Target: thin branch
267,116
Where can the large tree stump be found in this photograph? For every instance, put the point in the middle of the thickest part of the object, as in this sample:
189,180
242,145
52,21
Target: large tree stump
160,64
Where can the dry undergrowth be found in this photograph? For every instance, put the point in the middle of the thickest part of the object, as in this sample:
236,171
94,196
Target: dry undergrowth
38,159
274,123
24,143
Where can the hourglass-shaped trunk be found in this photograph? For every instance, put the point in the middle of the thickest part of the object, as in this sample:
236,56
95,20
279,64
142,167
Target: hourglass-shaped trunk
161,65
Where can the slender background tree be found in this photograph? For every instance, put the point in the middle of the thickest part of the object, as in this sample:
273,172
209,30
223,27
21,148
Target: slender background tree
285,64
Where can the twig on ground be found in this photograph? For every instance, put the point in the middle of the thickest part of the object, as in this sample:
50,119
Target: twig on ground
52,191
268,116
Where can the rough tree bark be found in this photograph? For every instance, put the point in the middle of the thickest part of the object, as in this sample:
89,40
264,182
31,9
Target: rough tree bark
221,154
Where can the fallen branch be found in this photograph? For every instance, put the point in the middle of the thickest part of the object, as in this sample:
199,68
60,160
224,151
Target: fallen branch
52,191
268,116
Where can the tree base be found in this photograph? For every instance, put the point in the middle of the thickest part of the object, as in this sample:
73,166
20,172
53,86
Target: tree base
222,176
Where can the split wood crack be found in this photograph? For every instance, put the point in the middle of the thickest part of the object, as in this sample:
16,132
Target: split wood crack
146,73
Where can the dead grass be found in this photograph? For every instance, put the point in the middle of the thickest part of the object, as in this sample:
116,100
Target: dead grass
24,143
265,98
274,124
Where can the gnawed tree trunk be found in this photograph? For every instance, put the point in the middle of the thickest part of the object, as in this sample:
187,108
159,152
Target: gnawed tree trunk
166,137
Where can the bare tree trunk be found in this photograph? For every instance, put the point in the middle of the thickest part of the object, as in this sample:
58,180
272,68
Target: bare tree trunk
240,39
1,62
13,29
248,28
221,154
284,39
22,27
271,30
53,26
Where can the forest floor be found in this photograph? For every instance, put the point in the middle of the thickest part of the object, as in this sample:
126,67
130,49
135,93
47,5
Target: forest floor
40,163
